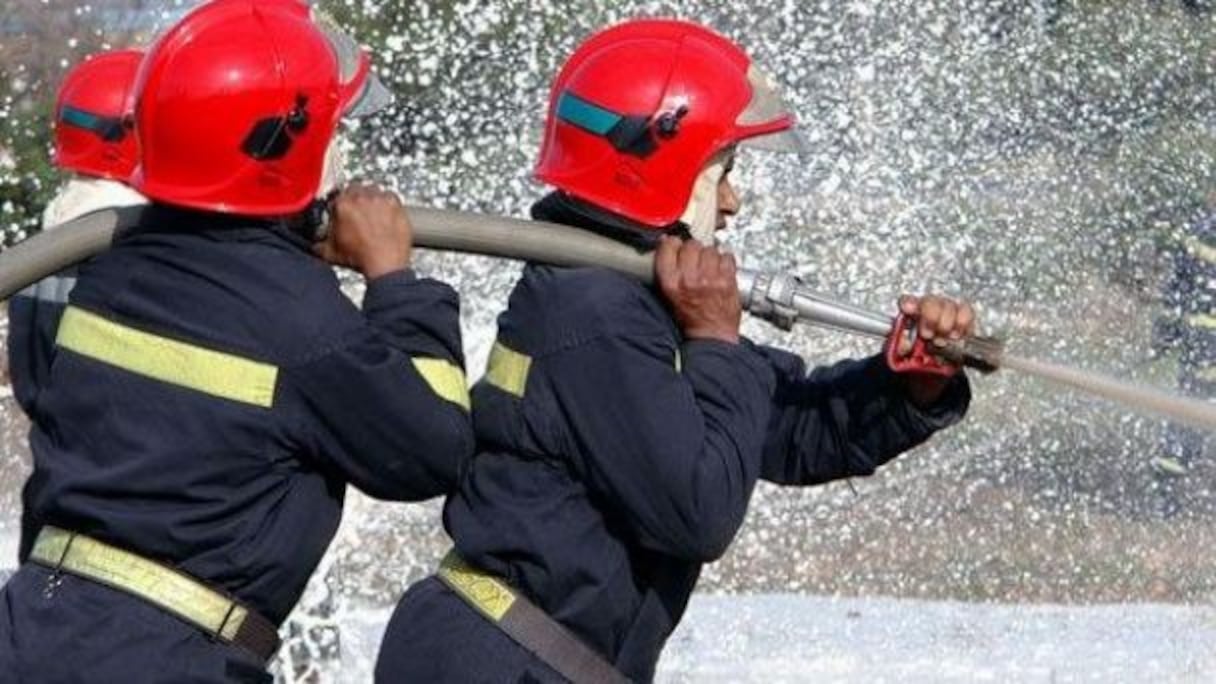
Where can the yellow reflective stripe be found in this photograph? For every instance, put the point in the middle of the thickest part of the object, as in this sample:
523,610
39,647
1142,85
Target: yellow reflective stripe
172,591
508,369
1201,249
489,595
1202,321
160,358
445,379
679,362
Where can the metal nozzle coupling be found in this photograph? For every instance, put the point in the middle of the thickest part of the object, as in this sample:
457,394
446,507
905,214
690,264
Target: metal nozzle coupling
771,297
783,300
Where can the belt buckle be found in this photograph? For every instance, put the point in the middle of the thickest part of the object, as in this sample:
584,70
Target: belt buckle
218,633
55,579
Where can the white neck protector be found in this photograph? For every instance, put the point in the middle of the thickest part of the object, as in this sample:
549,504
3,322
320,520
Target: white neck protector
84,195
701,215
333,173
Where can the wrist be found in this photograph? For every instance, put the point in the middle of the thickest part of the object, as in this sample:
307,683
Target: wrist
382,267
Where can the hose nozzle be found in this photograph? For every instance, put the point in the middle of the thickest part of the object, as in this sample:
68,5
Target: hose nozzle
784,300
984,354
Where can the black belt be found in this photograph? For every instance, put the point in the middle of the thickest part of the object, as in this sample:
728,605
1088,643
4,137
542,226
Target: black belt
527,625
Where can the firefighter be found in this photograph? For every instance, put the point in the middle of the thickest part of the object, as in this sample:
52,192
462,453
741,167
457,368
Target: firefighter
621,429
212,391
91,142
1188,325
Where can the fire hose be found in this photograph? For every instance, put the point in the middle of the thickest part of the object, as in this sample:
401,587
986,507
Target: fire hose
780,299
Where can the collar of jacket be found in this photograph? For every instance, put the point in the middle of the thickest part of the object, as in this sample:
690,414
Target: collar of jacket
559,207
161,218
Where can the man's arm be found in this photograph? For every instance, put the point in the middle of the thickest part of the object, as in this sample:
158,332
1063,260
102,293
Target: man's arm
33,320
848,419
387,408
676,452
672,435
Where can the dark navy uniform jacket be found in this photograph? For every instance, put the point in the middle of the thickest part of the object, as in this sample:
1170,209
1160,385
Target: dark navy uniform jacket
615,457
33,320
212,393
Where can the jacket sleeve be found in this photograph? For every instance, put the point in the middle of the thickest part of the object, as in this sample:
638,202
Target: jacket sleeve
846,420
676,451
33,320
387,407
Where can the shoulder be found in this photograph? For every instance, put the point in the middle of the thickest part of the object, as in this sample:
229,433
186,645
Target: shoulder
567,306
249,292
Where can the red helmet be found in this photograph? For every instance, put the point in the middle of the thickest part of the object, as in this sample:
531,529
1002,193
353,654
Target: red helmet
91,132
642,107
237,105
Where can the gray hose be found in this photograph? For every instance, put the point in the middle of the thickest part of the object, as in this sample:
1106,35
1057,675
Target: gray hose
53,250
525,241
49,252
779,299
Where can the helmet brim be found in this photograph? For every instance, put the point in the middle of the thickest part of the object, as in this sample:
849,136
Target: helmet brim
770,118
373,97
365,93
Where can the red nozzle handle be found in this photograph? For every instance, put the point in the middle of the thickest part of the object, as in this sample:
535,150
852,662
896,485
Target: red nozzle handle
921,360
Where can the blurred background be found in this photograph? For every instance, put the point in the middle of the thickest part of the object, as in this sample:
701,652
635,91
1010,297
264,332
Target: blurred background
1048,159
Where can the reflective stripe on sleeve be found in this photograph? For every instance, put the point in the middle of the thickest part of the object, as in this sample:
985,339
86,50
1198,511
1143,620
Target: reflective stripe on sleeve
445,380
508,370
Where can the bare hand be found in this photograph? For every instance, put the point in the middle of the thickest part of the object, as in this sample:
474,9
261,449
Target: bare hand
370,232
940,321
700,284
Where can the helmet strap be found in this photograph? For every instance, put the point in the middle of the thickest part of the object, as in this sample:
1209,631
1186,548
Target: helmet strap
637,135
110,129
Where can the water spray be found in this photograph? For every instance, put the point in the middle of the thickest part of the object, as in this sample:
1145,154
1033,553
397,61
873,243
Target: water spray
780,299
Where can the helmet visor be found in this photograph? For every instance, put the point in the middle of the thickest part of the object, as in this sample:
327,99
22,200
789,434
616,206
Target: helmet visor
372,98
770,118
365,93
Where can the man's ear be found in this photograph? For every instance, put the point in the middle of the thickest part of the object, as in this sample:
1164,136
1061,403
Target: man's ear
728,198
